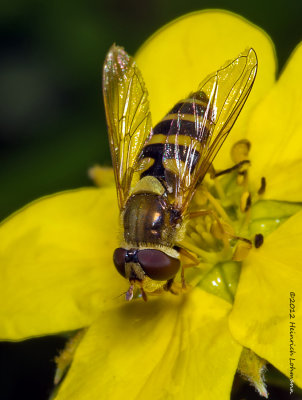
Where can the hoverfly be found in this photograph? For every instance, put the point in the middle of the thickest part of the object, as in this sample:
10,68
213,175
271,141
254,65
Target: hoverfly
157,171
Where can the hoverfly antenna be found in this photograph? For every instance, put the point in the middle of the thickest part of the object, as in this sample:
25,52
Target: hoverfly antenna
120,295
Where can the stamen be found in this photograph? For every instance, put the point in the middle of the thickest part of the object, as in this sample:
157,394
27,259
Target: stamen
258,240
240,151
208,238
209,257
219,189
241,178
263,186
241,252
218,207
221,232
245,201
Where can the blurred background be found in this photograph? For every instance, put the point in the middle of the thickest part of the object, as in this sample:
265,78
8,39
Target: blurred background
52,125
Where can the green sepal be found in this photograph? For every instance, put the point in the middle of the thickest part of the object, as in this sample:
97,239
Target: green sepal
222,280
268,215
252,368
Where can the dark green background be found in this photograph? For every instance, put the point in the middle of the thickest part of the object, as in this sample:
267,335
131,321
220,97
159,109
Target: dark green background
52,126
51,112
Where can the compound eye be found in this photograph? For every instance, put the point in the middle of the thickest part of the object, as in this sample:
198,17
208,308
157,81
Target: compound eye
119,260
157,264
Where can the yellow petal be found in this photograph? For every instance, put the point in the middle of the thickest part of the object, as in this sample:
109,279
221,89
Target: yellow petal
56,267
181,54
172,347
260,319
275,131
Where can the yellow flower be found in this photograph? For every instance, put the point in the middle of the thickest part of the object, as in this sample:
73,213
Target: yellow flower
56,269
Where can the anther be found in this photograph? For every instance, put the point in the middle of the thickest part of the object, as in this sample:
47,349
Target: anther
263,186
241,251
240,151
241,177
245,201
258,240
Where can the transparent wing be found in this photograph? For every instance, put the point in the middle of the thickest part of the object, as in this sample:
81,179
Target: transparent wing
202,124
128,116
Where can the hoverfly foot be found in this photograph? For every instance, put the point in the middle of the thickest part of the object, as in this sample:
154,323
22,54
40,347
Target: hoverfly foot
233,168
175,288
168,285
129,294
144,296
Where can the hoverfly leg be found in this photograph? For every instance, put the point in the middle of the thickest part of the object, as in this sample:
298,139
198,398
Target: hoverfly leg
242,239
202,213
194,260
190,256
183,282
168,285
144,296
235,167
129,294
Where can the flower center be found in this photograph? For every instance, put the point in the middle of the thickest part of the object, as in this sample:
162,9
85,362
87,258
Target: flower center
221,238
236,218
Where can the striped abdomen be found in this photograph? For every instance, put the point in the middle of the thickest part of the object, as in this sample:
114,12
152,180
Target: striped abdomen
179,138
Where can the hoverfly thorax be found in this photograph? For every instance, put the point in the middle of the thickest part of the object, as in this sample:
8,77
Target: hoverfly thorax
147,219
168,161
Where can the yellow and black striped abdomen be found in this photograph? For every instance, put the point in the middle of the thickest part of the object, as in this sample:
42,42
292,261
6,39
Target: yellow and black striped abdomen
184,128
